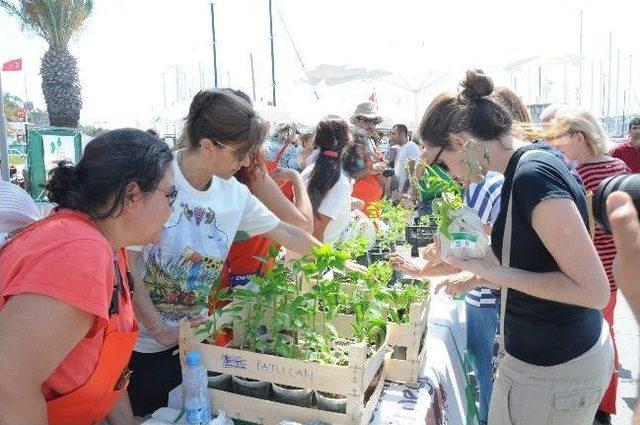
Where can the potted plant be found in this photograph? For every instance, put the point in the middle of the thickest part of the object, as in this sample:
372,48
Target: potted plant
390,221
214,326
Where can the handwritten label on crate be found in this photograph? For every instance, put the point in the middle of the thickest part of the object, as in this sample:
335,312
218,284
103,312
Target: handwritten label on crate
234,362
301,374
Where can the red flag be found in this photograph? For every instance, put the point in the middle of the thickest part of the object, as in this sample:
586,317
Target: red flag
374,97
14,65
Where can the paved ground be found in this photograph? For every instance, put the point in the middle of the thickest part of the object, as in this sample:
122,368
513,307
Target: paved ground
627,337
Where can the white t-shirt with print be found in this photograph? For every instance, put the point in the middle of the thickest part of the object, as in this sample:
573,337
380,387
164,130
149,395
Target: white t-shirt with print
336,205
407,151
194,246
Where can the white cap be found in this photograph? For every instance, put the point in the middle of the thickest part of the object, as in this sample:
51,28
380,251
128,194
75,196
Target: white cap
17,209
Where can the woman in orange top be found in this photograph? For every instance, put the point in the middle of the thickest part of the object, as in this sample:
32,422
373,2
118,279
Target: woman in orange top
70,268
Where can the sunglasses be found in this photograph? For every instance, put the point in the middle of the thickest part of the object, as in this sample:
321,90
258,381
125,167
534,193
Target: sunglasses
171,195
436,161
239,153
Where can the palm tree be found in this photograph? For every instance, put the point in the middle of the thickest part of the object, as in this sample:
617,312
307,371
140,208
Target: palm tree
56,21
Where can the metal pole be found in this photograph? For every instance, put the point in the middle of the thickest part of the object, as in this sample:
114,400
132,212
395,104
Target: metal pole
273,60
609,76
615,110
592,77
624,104
253,77
215,53
4,153
602,87
539,84
580,65
164,90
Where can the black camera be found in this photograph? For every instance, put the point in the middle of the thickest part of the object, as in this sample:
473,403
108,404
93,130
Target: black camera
388,172
629,183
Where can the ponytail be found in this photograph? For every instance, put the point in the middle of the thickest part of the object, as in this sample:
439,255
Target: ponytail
331,137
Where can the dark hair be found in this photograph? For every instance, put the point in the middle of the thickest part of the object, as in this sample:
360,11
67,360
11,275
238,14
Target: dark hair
472,111
634,121
402,128
331,136
242,95
223,117
353,161
97,184
153,132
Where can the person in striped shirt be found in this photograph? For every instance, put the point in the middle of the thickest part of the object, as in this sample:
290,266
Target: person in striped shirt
579,135
482,303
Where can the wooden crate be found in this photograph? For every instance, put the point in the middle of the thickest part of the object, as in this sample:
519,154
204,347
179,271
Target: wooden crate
352,380
411,336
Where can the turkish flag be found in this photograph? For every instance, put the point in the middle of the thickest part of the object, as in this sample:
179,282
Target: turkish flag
14,65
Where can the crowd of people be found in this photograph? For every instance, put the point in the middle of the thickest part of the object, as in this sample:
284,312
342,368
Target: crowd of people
141,232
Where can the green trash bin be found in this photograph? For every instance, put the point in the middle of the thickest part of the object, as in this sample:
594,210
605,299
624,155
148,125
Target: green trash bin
46,147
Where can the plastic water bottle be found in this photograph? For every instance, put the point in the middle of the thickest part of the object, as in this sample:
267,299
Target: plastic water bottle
196,395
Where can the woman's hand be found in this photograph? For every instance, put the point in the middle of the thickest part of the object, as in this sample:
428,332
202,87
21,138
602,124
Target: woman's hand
404,265
458,284
357,204
435,264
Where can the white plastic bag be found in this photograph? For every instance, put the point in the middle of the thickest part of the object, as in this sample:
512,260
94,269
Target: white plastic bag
468,239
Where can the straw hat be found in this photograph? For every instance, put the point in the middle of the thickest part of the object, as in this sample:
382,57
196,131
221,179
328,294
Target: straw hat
366,110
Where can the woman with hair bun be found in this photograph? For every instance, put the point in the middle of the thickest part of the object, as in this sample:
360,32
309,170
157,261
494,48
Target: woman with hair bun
558,359
71,268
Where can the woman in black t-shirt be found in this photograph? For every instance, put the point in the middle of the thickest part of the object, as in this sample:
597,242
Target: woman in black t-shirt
558,354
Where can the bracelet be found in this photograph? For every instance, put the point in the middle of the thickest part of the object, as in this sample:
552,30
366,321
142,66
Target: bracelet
154,324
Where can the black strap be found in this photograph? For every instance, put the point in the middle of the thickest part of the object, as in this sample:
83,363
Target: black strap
118,287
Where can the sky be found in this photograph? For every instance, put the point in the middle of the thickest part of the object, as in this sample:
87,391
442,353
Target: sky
141,61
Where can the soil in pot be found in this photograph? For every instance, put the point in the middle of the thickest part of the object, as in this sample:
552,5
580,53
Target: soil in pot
251,387
377,254
331,402
406,281
219,381
293,395
363,260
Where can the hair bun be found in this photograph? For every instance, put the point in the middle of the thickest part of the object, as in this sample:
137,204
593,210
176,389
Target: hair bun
201,100
476,85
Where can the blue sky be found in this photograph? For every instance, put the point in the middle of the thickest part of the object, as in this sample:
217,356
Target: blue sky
128,46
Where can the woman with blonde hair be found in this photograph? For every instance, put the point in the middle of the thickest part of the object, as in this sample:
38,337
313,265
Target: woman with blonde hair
579,135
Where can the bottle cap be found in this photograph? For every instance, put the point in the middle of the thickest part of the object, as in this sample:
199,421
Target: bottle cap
193,358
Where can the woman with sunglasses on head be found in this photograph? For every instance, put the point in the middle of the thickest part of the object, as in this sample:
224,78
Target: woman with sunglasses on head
70,268
558,358
581,138
222,132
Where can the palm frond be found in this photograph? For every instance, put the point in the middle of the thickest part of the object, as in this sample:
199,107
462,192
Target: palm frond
54,20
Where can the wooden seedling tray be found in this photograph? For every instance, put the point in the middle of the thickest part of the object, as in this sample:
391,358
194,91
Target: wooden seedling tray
411,336
352,381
